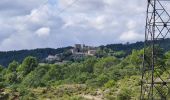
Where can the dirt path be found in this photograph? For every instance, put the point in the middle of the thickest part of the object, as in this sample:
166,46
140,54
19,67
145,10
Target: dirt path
90,97
99,96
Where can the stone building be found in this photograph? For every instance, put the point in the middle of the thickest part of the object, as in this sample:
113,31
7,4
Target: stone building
83,50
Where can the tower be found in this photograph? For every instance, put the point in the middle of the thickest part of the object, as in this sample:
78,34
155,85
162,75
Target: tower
155,83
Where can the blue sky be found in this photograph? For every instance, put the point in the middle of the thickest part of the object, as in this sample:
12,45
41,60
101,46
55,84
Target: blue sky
29,24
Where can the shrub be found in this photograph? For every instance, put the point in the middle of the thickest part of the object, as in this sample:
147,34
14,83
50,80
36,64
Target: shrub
124,94
110,84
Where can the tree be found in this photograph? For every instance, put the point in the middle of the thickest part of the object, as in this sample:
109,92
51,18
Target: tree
167,58
124,94
136,57
88,65
110,84
102,79
2,72
101,53
11,73
35,78
11,78
28,65
54,73
159,59
104,64
1,68
12,67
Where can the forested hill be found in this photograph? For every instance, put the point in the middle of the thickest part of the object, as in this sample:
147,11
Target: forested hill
7,57
40,54
165,44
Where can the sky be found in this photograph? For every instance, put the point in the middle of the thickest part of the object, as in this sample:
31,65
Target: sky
30,24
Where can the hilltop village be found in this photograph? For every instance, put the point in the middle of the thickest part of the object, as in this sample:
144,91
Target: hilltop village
79,51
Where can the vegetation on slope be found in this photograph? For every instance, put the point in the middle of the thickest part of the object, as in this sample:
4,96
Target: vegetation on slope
122,50
108,77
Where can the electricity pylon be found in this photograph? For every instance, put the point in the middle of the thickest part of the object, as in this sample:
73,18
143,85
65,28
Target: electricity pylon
155,76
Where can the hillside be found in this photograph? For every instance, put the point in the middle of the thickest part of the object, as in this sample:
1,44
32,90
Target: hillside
165,44
106,78
41,54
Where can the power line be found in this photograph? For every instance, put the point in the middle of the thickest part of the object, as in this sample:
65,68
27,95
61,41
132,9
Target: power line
59,12
67,7
64,9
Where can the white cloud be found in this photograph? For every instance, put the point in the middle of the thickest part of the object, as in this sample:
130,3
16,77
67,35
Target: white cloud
93,22
43,32
131,24
131,36
99,22
18,7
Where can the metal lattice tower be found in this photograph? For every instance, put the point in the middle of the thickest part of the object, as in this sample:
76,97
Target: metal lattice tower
155,86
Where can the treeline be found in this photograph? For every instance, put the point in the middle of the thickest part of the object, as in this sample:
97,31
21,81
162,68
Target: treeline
123,50
40,54
119,79
127,48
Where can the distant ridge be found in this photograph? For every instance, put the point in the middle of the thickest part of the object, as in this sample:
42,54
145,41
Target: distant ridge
9,56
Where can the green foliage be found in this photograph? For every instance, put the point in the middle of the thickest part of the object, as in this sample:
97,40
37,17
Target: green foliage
120,54
108,76
28,65
1,68
118,50
136,57
110,84
83,77
2,72
53,74
101,53
88,65
159,54
12,67
34,79
167,58
2,85
124,94
11,77
104,64
40,54
102,79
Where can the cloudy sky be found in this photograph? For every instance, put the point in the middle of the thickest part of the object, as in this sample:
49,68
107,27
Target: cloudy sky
29,24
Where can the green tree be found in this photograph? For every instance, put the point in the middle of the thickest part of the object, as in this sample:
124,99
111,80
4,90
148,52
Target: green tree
167,58
101,53
88,65
110,84
35,78
102,79
159,59
11,77
104,64
12,67
28,65
136,57
11,73
2,72
1,68
54,73
124,94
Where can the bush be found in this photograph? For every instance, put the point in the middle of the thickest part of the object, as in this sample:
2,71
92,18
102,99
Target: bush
110,84
2,85
28,65
35,78
124,95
